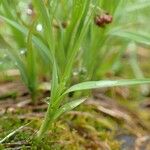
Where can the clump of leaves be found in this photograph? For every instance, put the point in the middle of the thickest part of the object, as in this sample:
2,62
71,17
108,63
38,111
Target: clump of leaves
73,37
23,55
59,47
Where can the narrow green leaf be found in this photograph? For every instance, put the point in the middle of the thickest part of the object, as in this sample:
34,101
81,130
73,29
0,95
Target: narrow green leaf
31,64
41,47
7,8
54,84
132,36
138,6
20,64
136,67
106,83
46,21
81,29
13,132
67,107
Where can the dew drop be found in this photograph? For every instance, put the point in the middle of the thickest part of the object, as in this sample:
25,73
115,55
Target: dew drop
29,11
39,27
75,73
22,52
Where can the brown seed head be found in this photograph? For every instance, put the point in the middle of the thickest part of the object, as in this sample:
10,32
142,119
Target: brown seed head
102,20
108,18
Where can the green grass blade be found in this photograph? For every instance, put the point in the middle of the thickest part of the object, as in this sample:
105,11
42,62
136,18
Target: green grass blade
12,133
83,24
67,107
106,83
136,67
54,82
16,33
132,36
31,64
41,47
138,6
46,19
20,64
15,58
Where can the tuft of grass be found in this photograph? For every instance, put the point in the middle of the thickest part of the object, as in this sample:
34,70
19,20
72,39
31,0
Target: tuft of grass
74,41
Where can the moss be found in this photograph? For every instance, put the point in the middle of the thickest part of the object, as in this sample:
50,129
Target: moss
79,133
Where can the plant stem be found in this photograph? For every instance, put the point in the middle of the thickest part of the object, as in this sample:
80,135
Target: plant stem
52,107
47,122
